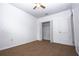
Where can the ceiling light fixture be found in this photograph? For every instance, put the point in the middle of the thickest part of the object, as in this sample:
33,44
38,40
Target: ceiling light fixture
38,5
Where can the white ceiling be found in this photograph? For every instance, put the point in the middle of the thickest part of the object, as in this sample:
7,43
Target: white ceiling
51,8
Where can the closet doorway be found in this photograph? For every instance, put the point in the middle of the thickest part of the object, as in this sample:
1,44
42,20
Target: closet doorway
46,31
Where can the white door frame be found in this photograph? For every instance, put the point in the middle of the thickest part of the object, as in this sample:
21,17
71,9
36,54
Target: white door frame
51,30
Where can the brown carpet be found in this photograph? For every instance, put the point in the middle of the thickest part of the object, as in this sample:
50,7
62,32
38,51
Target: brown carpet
40,48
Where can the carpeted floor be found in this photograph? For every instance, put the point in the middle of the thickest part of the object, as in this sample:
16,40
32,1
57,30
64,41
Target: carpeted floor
40,48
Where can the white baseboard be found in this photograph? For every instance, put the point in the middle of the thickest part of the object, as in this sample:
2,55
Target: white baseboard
7,47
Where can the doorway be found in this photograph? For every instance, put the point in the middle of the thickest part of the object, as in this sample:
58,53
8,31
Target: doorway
46,31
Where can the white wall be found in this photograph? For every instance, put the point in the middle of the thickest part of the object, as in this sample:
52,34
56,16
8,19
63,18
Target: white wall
16,27
61,27
76,25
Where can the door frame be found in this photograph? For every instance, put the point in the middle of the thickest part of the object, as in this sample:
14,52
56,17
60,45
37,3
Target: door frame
43,28
51,30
